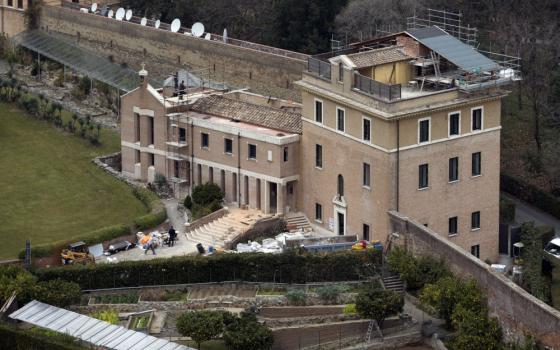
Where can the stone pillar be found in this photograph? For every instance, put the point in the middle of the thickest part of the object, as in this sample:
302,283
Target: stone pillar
266,204
280,196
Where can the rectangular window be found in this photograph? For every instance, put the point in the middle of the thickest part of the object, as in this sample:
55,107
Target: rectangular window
182,135
318,212
318,111
252,150
228,146
340,119
176,168
475,250
151,140
136,127
453,169
11,3
366,129
475,220
453,225
340,72
424,130
136,156
152,159
477,119
319,156
285,154
476,164
20,4
454,124
366,175
423,176
365,233
204,140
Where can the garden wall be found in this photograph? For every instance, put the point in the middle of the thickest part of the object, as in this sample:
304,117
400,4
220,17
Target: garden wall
518,312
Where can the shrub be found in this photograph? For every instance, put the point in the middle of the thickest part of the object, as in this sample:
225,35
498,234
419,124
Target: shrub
110,316
296,296
205,194
247,333
188,202
416,272
160,180
532,253
17,339
145,196
215,206
378,304
200,325
475,330
349,309
58,293
330,293
150,220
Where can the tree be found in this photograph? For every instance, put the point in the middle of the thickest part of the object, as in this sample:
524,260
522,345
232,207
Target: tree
57,292
475,330
247,333
378,304
205,194
200,325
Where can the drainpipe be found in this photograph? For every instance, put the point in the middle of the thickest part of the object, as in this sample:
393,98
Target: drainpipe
398,160
239,169
192,155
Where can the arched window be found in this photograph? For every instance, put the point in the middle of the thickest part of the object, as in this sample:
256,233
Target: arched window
340,187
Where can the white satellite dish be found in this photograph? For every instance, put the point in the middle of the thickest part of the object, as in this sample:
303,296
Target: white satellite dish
128,15
175,25
94,7
197,29
120,14
225,35
157,24
143,21
208,36
110,14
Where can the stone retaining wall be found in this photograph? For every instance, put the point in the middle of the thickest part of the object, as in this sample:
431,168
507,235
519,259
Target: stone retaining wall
517,311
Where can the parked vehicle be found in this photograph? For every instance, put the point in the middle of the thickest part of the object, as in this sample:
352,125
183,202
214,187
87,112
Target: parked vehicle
119,247
553,248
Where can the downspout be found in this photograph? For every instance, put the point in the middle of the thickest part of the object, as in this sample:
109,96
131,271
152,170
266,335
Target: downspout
398,160
192,155
239,169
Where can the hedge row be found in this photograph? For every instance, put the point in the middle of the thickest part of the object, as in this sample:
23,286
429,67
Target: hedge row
97,236
14,339
290,267
531,194
150,220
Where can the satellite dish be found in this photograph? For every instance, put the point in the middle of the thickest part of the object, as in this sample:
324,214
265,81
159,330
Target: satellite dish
225,35
208,36
120,14
94,7
175,25
110,14
143,21
157,24
128,15
197,29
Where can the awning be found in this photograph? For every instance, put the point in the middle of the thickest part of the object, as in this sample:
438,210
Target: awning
452,49
89,329
81,60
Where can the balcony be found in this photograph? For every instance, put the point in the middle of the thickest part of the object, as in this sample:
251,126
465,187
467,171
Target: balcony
376,89
320,68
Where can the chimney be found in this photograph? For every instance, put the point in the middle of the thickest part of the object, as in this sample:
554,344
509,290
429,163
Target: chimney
143,74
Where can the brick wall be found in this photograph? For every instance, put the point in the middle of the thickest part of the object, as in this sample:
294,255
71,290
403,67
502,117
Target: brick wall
518,312
164,52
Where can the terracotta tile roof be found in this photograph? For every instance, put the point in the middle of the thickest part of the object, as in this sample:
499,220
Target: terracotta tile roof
268,117
378,56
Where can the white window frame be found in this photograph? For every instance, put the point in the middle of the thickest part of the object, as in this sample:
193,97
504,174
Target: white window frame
315,158
368,187
458,175
449,124
429,119
336,116
370,128
315,111
481,118
479,221
428,184
321,211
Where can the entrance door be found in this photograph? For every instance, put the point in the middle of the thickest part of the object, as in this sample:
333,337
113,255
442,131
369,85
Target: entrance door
340,222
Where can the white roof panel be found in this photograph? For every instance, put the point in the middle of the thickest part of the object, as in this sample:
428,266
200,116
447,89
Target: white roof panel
90,330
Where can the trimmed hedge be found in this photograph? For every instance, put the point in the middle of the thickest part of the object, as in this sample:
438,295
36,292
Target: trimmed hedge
287,267
150,220
531,194
15,339
100,235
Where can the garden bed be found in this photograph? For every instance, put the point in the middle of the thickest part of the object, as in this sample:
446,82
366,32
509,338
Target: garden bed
120,298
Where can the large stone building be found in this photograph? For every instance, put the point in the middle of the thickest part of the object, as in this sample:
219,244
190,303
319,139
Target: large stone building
409,122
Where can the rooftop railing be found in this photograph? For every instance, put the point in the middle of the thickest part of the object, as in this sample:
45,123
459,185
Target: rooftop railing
375,88
320,68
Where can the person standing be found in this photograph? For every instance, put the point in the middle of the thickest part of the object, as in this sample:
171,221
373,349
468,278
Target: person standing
151,245
172,236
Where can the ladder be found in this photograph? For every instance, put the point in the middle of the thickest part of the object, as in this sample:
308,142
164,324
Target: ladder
373,324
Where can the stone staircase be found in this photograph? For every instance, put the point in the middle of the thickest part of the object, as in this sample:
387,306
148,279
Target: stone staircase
217,232
297,222
394,283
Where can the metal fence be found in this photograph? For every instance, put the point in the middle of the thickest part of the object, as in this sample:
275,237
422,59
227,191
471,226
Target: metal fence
376,88
321,68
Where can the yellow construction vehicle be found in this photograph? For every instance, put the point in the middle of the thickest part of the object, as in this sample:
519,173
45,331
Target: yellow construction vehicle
77,253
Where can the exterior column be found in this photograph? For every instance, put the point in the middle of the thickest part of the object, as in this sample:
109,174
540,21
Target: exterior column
266,206
280,195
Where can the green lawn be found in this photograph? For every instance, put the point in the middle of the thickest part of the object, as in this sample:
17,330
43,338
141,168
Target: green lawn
50,189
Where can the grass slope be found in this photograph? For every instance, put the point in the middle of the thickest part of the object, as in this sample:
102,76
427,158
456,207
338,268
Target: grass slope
50,189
